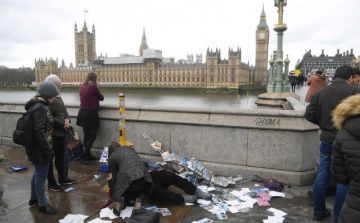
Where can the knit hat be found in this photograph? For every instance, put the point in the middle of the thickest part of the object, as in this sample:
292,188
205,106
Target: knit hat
47,90
55,79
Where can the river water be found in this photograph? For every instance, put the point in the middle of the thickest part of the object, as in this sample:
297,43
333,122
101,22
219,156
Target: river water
136,99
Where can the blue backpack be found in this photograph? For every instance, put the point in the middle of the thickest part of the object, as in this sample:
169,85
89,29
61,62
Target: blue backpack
75,153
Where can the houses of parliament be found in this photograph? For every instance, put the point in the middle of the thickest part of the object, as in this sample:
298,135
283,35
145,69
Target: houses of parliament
151,69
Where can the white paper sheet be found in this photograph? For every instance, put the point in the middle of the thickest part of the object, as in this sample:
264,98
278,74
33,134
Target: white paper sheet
277,212
202,201
126,213
276,194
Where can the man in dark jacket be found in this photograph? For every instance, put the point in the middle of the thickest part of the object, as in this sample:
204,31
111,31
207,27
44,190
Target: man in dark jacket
40,153
346,155
322,103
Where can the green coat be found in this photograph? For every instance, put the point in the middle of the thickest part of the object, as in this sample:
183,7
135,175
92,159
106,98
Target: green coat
59,113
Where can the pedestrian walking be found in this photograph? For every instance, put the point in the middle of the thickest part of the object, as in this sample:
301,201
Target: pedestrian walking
292,81
316,82
88,117
346,155
322,103
40,152
60,140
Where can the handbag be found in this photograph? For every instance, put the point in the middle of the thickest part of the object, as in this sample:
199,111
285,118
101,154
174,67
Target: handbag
72,134
143,216
274,185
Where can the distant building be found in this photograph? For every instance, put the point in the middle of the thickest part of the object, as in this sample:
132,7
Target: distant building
150,68
311,62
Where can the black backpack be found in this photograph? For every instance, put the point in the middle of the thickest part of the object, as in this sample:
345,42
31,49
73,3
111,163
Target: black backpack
143,216
23,134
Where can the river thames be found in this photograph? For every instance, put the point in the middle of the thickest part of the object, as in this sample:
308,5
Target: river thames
136,99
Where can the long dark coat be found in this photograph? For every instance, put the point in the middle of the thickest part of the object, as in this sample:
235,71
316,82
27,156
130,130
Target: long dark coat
346,155
126,166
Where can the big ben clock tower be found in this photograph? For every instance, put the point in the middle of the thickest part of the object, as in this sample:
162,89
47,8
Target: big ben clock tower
262,46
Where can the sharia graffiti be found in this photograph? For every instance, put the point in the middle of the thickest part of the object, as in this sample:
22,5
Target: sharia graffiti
267,122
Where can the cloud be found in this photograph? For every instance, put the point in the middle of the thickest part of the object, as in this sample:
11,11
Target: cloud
43,28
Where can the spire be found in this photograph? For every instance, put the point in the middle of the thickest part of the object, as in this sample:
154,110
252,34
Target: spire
143,36
75,27
263,11
262,23
93,28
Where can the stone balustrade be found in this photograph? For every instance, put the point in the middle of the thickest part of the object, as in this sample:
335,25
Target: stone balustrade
277,144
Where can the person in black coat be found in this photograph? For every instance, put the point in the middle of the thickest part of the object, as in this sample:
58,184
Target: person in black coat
41,153
322,103
346,155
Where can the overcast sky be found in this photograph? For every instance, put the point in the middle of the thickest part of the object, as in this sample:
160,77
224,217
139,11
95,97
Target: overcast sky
31,29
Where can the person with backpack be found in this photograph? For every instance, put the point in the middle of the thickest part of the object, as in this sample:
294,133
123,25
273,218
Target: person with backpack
60,140
88,117
40,152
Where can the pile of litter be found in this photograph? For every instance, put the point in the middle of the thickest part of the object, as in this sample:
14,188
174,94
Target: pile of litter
239,202
191,168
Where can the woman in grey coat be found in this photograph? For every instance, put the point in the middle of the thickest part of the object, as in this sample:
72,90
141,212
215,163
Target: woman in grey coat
129,174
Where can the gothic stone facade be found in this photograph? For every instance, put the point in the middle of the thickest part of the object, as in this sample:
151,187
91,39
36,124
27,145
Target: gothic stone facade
152,69
310,62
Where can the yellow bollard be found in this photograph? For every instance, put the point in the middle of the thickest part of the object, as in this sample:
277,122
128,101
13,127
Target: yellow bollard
122,138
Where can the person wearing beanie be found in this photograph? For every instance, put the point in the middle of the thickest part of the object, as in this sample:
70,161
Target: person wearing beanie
60,139
41,153
88,117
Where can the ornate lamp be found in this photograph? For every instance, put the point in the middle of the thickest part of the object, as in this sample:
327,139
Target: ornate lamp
278,1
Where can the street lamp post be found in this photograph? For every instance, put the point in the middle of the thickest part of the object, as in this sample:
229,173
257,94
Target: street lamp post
280,81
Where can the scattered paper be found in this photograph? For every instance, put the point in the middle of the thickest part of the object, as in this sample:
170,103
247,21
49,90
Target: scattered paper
204,220
126,213
277,212
276,194
202,201
73,218
210,189
98,220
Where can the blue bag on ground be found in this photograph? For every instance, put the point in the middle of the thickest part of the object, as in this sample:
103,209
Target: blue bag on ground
76,152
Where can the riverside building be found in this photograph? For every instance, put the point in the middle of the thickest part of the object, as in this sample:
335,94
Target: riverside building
151,69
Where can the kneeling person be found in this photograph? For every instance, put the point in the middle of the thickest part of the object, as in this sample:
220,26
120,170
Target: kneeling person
130,177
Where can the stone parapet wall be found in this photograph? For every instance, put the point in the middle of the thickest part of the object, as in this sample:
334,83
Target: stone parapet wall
277,144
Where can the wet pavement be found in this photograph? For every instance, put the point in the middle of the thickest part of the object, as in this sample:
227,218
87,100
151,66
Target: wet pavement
90,195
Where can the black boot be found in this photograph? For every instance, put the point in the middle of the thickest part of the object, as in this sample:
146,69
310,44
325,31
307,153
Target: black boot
86,162
118,206
47,209
33,203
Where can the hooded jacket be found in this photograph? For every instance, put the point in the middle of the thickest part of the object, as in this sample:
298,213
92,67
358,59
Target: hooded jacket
42,123
346,155
316,82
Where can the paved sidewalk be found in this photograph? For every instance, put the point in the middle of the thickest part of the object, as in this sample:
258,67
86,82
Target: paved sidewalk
89,195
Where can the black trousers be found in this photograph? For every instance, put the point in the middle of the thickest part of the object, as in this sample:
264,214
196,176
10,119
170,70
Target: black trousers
293,88
89,139
61,160
162,180
134,191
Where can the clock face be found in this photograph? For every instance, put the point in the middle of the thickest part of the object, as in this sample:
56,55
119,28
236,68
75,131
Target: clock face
261,35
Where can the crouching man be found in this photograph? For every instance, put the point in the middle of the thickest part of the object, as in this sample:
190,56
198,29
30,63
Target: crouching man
130,177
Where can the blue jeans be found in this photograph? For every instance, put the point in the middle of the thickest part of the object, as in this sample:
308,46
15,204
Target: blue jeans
38,183
322,181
